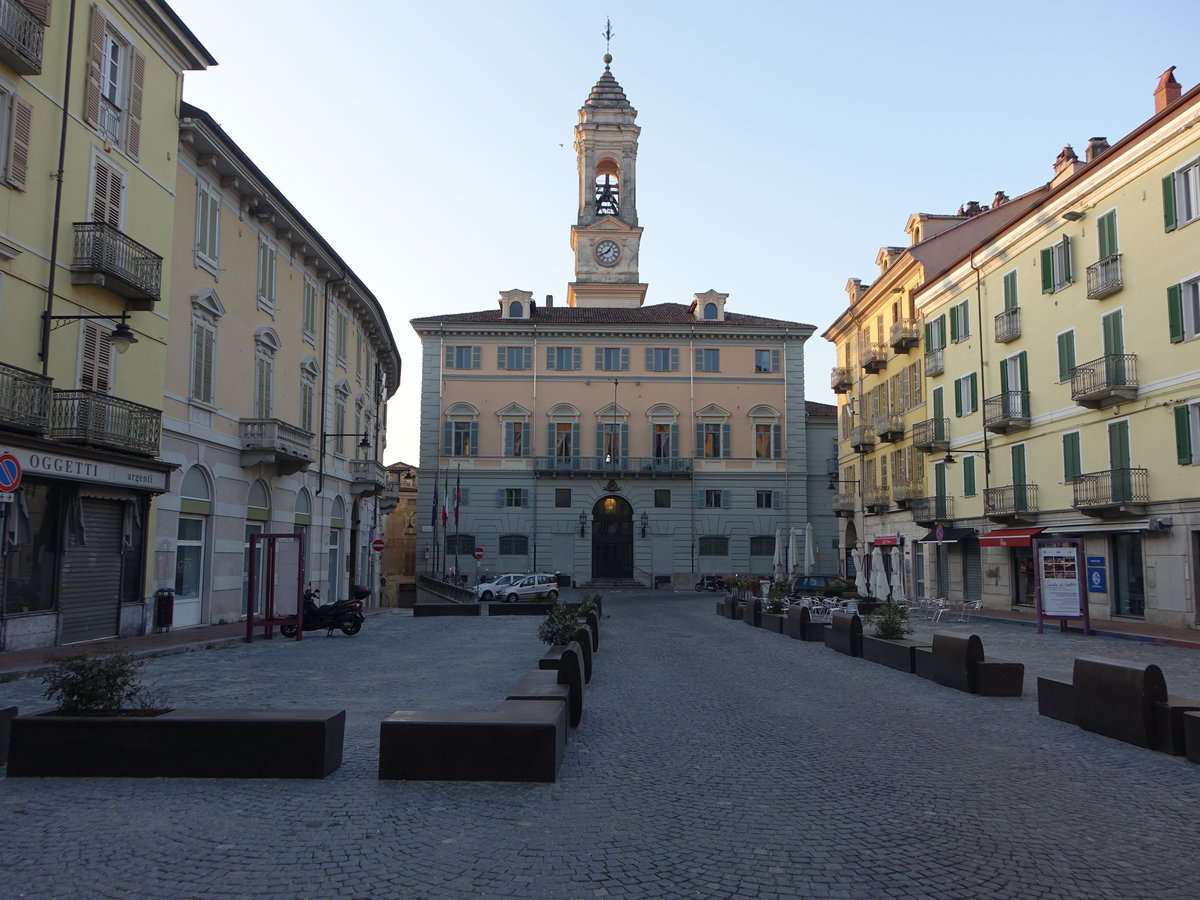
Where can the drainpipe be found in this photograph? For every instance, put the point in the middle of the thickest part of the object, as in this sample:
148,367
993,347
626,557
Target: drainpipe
987,456
44,353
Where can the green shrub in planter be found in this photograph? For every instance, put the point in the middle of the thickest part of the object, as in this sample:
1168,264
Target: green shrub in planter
890,622
560,624
99,686
587,603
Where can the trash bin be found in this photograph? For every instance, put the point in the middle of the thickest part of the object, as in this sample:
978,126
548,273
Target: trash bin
164,609
563,580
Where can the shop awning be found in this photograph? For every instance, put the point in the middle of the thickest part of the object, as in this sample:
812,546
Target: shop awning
949,535
1009,537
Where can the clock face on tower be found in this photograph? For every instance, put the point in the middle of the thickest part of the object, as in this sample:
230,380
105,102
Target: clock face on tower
607,253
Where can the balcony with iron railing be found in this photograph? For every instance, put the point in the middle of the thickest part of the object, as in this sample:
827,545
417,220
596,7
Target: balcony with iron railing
98,420
935,362
1104,277
890,427
844,503
1105,381
21,37
1008,325
905,490
25,399
932,435
108,258
862,437
1006,412
841,379
367,476
287,447
874,357
877,499
1112,493
905,334
931,510
608,467
1011,503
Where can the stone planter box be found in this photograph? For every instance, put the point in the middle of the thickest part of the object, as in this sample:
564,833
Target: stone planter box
447,609
567,660
520,608
772,622
182,743
898,654
7,714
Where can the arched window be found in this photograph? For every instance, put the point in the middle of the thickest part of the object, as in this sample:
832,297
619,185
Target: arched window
768,434
562,435
710,310
195,507
337,521
460,431
608,191
516,310
258,514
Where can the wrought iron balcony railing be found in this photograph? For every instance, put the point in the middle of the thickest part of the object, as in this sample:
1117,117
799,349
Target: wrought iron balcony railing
89,417
107,257
875,357
1111,490
1104,277
862,437
1104,381
24,400
931,435
276,442
935,363
1008,325
1006,412
890,427
929,510
905,334
1013,501
877,499
844,502
841,379
905,491
651,466
21,37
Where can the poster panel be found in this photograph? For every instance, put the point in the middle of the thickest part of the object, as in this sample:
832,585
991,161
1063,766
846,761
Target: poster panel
1061,584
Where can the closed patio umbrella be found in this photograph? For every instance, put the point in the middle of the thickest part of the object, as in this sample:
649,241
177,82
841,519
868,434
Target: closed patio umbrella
778,562
810,551
898,595
860,574
879,581
791,552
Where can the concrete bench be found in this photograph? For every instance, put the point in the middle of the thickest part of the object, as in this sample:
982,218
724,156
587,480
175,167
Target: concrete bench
844,633
522,740
567,661
1120,700
752,611
7,714
447,609
957,661
899,653
799,625
518,608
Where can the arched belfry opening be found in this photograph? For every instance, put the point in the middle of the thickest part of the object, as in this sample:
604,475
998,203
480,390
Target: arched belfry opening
612,538
608,188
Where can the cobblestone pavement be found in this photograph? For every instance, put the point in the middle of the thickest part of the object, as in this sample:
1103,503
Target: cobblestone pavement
714,760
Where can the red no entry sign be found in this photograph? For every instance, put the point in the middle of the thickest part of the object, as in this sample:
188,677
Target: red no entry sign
10,472
377,545
479,553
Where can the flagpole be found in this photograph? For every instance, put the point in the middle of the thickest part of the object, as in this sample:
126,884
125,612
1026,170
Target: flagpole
435,531
457,492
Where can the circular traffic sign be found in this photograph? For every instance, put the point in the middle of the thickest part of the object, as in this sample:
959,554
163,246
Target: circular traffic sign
10,472
377,545
479,553
939,533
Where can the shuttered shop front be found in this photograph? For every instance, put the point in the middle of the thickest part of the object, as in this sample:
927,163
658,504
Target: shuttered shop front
90,587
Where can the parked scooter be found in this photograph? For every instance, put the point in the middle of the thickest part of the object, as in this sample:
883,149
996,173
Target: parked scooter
345,614
710,583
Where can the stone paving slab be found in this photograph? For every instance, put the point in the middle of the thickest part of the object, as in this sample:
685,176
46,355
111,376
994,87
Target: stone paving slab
715,760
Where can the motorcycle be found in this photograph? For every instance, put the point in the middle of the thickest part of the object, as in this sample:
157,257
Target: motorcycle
344,614
711,583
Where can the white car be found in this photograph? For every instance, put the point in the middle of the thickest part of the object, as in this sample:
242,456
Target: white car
498,589
531,587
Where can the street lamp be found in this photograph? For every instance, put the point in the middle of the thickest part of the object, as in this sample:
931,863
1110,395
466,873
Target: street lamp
120,337
582,522
364,444
645,522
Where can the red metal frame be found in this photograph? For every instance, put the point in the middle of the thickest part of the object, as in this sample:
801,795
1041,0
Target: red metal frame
269,619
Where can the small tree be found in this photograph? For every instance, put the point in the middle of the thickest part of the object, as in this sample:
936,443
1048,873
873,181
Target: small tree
588,602
890,622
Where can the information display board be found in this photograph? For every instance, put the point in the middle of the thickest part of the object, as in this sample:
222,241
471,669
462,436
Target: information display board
1061,585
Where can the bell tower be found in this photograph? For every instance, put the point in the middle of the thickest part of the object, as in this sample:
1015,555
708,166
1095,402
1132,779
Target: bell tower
606,236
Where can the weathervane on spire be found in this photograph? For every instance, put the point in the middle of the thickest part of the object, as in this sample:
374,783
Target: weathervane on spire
608,34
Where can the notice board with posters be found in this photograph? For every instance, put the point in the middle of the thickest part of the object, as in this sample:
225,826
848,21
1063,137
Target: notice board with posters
1061,582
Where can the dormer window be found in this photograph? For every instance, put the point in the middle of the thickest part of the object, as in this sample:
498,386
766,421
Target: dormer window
516,304
709,307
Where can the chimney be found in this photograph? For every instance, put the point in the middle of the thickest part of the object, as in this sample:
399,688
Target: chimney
549,300
1000,198
1095,147
1066,165
1167,91
970,208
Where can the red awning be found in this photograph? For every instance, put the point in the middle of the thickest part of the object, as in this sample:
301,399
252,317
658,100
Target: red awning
1009,537
887,540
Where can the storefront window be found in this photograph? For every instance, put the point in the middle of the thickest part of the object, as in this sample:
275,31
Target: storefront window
1128,586
1024,585
31,530
188,558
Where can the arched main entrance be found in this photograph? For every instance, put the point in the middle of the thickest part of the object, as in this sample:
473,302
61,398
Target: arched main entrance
612,538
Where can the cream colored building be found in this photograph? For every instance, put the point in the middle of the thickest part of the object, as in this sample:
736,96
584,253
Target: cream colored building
274,410
85,266
606,439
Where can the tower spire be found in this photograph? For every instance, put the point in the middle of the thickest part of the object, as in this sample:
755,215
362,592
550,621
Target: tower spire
608,35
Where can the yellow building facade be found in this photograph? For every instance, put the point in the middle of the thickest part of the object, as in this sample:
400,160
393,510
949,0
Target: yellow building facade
86,207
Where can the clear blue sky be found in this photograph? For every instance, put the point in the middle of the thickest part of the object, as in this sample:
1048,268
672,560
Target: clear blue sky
782,143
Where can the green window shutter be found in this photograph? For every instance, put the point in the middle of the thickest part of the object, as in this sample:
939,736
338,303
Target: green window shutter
1066,355
969,476
1168,188
1010,290
1108,234
958,398
954,324
1023,368
1183,435
1048,271
1175,312
1071,462
942,330
928,336
1066,257
974,392
1003,377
